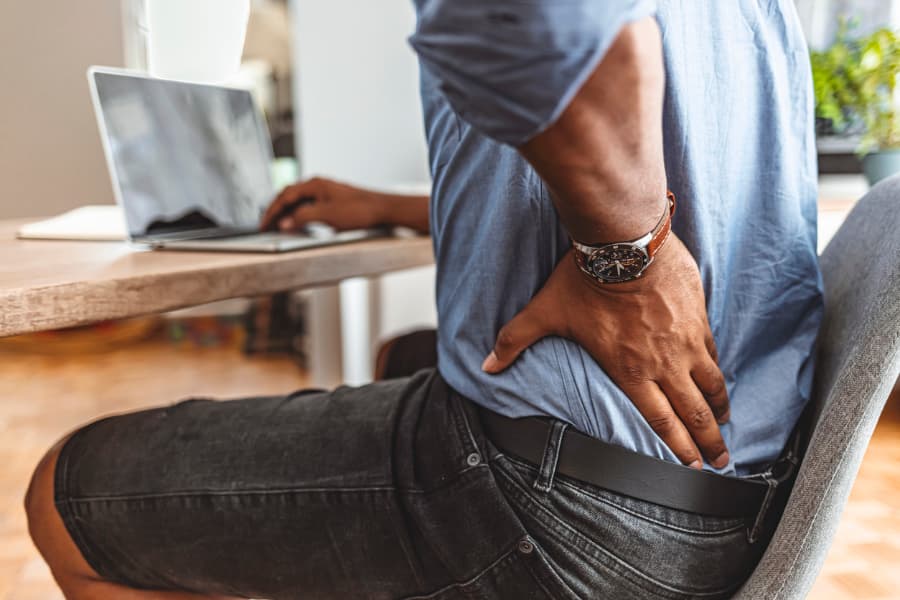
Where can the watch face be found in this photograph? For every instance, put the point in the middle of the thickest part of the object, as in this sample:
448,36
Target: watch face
618,262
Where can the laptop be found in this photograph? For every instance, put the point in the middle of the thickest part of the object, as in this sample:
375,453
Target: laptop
191,165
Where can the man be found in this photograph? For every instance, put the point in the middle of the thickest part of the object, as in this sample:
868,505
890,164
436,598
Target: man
555,130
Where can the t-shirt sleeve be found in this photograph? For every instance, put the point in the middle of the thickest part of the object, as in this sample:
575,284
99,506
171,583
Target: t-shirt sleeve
510,67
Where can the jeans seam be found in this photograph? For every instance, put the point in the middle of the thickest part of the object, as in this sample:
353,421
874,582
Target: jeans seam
463,428
273,492
624,567
223,493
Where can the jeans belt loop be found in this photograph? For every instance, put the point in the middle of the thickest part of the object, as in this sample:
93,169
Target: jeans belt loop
759,522
552,449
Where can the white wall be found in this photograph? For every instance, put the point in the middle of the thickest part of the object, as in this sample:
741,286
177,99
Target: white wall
820,17
360,120
357,91
50,154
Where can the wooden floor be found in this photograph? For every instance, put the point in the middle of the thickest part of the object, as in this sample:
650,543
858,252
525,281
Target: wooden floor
42,397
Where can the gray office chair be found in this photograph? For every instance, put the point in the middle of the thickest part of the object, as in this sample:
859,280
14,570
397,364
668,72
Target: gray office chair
859,362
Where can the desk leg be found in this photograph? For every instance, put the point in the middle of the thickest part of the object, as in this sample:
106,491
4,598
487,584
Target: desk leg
359,326
324,346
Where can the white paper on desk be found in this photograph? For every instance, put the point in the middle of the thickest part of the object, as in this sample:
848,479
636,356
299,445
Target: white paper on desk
91,223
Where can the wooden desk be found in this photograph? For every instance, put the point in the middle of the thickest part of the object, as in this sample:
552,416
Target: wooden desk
52,284
48,285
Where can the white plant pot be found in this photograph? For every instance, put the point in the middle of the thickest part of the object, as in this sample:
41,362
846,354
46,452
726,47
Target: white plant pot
196,40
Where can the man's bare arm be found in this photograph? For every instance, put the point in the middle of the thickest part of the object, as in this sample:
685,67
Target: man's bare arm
603,158
603,163
344,207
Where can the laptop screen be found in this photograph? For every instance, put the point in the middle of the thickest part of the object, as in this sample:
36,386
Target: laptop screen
185,157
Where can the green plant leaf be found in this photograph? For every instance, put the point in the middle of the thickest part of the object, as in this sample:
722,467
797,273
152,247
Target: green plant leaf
854,81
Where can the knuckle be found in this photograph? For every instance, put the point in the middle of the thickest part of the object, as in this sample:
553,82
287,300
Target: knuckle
318,186
699,417
632,368
719,399
714,381
668,359
632,373
663,424
669,364
506,338
711,371
717,392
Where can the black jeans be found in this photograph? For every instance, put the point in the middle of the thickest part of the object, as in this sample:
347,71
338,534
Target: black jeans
385,491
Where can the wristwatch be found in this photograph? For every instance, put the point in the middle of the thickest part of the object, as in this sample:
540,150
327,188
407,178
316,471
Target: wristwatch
624,261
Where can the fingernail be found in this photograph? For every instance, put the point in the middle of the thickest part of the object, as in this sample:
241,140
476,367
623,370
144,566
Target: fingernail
490,363
725,418
286,223
697,464
721,460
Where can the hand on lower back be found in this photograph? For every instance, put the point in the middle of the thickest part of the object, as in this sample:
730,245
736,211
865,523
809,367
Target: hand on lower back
650,335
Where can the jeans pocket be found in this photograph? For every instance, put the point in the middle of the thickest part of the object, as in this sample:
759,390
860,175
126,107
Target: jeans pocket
606,545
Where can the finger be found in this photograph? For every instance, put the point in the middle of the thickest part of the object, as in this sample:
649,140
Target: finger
302,215
711,345
525,329
277,205
691,407
711,382
287,197
656,409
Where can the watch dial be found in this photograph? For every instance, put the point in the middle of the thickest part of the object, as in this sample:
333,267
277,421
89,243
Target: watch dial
618,262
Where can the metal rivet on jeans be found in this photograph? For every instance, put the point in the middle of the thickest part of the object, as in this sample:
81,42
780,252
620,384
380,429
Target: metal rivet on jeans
473,459
526,547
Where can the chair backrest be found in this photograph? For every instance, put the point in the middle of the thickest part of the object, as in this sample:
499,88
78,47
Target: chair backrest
858,365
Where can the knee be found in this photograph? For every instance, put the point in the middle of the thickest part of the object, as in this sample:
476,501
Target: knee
39,498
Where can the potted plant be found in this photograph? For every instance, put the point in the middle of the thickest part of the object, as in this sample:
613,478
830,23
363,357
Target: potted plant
855,82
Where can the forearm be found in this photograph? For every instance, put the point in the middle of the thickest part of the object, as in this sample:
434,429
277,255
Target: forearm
602,159
403,210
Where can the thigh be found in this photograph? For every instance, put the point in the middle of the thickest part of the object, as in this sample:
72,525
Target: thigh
277,497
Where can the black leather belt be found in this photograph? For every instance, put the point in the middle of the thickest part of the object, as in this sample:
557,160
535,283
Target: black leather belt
631,474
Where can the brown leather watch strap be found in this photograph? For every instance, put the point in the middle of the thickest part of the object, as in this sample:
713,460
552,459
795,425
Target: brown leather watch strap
663,229
653,241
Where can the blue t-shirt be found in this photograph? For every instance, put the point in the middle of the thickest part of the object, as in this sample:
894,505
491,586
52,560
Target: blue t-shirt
740,157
